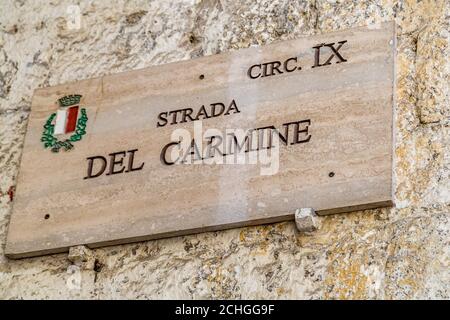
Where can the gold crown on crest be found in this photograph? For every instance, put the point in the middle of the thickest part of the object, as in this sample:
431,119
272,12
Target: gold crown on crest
69,100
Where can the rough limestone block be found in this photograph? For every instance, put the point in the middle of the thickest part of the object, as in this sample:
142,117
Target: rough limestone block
307,220
82,257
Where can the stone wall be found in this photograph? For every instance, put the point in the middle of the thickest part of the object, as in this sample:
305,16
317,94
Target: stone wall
400,252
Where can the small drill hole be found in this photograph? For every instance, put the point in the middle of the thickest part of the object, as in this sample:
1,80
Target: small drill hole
202,76
331,174
46,216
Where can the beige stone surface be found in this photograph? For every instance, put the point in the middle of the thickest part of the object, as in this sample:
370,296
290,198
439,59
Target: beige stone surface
400,252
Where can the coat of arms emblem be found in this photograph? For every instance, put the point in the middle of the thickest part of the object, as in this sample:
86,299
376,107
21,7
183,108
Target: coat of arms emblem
66,126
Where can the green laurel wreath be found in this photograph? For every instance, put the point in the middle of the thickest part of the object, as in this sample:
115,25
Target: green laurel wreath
50,141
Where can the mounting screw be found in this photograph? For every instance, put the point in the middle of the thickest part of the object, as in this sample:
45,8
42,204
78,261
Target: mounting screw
331,174
202,76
